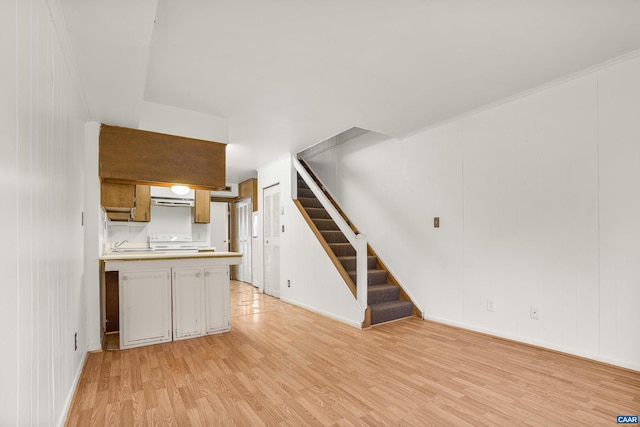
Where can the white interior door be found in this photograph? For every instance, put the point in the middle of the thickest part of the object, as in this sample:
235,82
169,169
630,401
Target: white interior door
272,240
220,226
243,221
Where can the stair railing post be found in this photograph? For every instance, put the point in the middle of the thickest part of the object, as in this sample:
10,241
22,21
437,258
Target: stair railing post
361,270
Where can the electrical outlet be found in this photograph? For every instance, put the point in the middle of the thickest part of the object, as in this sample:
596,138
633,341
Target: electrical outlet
288,283
436,222
75,339
534,314
491,305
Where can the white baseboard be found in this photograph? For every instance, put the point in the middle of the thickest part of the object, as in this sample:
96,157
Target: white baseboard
543,344
95,347
72,391
323,313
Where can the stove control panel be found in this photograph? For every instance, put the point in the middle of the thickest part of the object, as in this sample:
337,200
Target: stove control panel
170,238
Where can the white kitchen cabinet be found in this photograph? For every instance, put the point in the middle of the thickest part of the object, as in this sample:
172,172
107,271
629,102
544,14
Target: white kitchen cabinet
188,303
145,307
216,289
165,299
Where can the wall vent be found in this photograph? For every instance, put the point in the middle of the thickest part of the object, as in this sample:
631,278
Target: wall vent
229,191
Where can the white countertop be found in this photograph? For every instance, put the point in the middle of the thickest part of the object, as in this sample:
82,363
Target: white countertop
152,255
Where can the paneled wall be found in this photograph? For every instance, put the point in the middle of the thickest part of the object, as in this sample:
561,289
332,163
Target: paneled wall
42,137
538,207
619,211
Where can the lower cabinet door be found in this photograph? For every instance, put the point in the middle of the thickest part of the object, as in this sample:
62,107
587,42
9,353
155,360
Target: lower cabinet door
217,309
145,301
188,303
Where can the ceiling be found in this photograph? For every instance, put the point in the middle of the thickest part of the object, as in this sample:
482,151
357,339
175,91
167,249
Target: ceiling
286,74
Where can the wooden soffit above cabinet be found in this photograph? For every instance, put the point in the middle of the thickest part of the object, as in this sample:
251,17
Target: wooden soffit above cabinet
143,157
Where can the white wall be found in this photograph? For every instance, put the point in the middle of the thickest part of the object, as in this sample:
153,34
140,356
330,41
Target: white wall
8,217
94,220
538,206
42,158
315,282
619,212
163,219
178,121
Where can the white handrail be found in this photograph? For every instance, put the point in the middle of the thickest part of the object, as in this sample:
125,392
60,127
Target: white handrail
359,241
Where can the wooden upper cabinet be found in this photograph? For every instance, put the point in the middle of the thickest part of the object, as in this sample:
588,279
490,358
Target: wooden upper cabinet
202,207
142,212
249,189
143,157
118,216
117,197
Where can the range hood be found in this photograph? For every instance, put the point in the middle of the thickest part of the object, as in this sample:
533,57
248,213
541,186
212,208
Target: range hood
163,196
171,202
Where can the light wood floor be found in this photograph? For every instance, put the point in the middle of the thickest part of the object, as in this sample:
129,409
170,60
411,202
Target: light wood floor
281,365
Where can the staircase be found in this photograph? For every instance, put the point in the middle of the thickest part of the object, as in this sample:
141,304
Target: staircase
385,299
